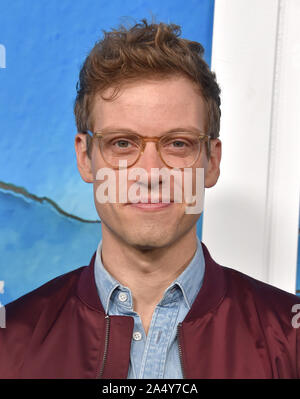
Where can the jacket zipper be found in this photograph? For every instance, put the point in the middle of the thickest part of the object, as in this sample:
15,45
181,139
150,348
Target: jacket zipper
107,326
180,349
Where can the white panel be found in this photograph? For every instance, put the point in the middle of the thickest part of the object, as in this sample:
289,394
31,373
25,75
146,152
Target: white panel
282,210
238,227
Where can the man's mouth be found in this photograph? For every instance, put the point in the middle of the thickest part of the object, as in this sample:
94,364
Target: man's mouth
151,205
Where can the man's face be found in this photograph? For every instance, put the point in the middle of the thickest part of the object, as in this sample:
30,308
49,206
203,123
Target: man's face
150,108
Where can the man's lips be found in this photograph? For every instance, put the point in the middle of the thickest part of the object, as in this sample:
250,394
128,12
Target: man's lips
151,205
148,201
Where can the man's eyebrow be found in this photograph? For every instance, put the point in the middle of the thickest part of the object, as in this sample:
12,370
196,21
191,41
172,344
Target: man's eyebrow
192,129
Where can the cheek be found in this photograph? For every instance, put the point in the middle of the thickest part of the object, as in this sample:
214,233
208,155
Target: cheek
193,179
107,212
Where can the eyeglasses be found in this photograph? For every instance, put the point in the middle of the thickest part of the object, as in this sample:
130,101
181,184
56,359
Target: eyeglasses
176,149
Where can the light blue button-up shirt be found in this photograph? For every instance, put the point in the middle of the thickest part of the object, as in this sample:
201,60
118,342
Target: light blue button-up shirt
156,354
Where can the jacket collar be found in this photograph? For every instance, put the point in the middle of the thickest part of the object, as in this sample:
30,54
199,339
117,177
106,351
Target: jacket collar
210,295
213,288
86,288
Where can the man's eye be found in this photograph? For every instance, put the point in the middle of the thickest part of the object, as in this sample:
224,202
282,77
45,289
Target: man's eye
122,143
178,143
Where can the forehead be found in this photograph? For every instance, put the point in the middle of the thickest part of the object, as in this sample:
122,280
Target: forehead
150,105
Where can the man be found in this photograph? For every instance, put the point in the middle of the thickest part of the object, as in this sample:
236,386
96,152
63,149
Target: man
152,303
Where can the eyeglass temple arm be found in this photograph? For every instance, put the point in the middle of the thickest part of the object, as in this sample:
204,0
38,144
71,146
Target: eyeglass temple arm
91,134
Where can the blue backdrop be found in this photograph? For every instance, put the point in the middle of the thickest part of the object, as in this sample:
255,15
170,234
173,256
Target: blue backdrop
47,215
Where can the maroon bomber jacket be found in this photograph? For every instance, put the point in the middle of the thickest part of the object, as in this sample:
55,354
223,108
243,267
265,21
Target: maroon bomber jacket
238,327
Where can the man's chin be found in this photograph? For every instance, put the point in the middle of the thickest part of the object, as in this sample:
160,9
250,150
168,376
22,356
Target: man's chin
144,242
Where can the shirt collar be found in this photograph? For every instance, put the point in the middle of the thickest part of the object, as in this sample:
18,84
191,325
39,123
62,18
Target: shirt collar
189,281
105,282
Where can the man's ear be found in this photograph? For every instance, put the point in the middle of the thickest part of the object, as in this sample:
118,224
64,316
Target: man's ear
84,163
212,172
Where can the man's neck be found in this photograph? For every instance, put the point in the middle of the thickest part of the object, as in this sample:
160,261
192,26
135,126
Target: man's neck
147,273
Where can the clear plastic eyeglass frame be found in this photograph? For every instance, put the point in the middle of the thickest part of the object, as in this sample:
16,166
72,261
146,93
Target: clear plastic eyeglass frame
143,140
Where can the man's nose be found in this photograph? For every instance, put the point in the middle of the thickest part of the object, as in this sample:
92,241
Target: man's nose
150,158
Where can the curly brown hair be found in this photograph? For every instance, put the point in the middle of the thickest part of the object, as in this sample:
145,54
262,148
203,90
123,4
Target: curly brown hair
144,50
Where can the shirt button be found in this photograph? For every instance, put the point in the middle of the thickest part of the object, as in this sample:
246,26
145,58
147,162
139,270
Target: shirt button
137,336
122,296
